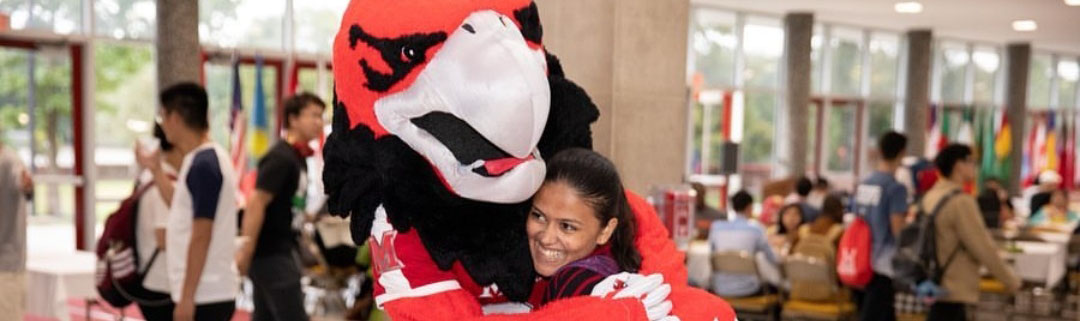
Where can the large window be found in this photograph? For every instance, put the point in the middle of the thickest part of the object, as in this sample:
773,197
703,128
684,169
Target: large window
317,23
242,23
59,16
1039,77
845,48
125,19
712,44
986,62
952,64
1068,74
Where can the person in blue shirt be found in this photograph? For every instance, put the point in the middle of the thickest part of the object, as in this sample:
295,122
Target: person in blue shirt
882,201
739,234
1055,215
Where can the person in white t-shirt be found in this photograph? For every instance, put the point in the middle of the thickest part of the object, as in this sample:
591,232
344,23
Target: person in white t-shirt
201,231
153,216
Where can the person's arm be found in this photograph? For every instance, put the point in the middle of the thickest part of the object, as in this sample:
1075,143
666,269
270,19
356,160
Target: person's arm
898,209
201,229
254,215
976,240
763,246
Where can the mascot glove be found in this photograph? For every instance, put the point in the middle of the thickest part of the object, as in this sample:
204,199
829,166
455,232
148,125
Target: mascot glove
650,290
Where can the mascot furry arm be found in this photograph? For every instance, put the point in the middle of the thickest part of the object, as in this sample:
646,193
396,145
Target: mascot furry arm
443,113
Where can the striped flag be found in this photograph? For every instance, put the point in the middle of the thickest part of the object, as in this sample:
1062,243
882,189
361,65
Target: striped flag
237,124
260,137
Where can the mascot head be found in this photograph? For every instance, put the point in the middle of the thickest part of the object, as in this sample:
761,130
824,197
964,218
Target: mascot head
463,83
443,114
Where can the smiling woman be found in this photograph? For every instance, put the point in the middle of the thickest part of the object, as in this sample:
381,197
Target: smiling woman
581,228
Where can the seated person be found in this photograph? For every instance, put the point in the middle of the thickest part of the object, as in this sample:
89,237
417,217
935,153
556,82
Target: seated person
1006,212
785,233
739,234
990,206
1055,215
819,239
580,228
829,225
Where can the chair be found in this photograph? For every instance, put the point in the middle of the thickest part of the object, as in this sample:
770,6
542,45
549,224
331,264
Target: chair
815,294
757,307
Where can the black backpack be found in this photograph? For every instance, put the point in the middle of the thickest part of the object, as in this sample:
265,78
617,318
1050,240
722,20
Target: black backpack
915,260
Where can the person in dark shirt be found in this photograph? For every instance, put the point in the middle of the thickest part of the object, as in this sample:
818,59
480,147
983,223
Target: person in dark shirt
581,228
280,190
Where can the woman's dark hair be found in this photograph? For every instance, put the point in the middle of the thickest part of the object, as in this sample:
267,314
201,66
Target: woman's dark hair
833,208
160,135
596,181
781,229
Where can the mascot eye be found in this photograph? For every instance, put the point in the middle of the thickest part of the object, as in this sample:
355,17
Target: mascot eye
409,54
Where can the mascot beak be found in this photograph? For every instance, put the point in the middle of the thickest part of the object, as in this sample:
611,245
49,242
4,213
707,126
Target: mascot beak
478,108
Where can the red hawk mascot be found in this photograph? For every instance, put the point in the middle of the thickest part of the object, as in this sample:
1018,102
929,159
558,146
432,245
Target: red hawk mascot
444,112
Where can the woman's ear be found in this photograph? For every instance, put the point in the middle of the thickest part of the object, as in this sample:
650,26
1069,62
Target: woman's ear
609,229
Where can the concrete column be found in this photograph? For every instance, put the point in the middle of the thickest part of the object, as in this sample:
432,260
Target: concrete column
1017,61
793,122
178,50
917,96
630,56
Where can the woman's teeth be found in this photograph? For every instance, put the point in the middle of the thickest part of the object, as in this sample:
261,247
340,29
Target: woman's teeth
551,255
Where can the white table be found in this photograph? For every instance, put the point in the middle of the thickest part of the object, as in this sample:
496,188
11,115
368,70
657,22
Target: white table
54,278
1041,262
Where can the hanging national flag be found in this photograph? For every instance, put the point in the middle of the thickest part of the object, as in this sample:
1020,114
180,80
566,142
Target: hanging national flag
1050,146
237,123
936,135
260,138
966,133
1068,151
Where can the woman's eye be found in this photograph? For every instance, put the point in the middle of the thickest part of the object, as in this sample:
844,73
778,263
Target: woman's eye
568,227
537,216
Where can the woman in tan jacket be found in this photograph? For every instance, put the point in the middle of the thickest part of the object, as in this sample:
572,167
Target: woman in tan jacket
960,228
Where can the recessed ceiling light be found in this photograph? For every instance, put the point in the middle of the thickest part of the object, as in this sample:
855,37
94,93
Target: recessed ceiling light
1072,2
914,7
1024,25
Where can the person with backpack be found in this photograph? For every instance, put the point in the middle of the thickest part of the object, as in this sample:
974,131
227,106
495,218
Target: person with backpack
199,238
963,244
739,234
881,205
153,217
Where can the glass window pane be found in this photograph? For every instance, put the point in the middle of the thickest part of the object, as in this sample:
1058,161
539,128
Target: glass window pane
316,24
815,58
713,47
884,53
125,18
952,61
715,161
846,54
309,82
763,46
880,121
1039,82
1068,76
14,91
697,114
59,16
16,10
757,142
840,139
987,63
242,23
125,95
